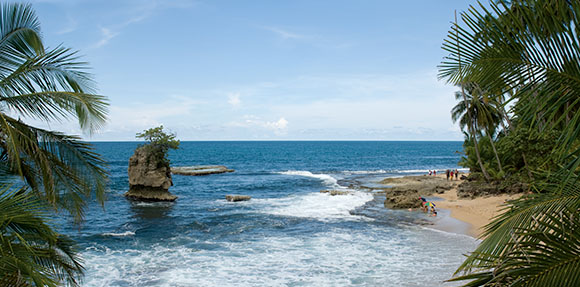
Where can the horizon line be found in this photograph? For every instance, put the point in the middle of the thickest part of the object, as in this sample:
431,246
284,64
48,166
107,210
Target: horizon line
290,140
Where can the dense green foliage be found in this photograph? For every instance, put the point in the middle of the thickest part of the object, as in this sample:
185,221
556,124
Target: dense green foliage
60,171
159,143
523,124
31,253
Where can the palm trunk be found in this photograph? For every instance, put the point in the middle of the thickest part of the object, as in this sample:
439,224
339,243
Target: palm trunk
485,174
505,116
483,170
494,150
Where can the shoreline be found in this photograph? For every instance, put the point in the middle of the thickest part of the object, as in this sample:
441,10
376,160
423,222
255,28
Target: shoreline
477,212
458,215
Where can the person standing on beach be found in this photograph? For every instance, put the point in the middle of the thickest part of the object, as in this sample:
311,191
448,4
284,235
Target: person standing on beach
451,174
447,174
456,174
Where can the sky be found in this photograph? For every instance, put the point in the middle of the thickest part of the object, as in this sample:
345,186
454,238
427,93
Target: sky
262,70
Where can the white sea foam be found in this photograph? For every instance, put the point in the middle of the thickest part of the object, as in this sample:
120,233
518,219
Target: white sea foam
378,171
320,206
126,233
327,179
374,256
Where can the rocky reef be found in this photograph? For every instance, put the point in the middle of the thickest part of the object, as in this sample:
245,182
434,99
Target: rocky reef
235,198
334,192
404,192
474,186
200,170
149,176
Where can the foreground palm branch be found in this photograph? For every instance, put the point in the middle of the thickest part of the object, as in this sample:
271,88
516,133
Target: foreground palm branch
59,170
532,47
47,85
31,253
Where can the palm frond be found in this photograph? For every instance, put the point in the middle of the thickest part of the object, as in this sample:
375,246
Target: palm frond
53,86
32,254
68,169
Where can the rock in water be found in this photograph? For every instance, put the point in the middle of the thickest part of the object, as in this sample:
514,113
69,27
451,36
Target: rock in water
149,177
234,198
200,170
334,192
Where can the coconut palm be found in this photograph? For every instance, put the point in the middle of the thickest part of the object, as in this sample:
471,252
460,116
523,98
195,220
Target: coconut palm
477,111
531,46
40,84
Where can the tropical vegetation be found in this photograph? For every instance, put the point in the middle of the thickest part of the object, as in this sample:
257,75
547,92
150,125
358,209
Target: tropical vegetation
517,67
43,171
158,143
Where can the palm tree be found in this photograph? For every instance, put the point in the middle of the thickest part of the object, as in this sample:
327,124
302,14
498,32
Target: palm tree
43,84
531,46
477,111
46,85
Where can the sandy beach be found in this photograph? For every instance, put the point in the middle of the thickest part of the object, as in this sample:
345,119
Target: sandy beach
476,213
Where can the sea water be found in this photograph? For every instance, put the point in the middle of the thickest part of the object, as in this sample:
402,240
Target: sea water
288,234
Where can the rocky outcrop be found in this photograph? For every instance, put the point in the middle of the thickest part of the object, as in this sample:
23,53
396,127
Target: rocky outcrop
334,192
149,177
235,198
405,199
404,192
200,170
472,189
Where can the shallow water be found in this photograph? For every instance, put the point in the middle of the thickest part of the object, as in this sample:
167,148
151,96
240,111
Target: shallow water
289,234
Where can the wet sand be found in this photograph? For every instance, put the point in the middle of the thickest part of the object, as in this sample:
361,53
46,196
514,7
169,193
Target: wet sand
466,215
476,212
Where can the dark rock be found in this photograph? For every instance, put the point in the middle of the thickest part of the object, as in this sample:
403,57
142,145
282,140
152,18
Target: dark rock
200,170
335,192
145,193
149,178
402,199
472,189
405,191
234,198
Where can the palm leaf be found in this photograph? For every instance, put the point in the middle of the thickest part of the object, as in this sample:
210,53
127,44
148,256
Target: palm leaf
32,254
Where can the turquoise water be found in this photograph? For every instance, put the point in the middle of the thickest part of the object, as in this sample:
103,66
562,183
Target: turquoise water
289,234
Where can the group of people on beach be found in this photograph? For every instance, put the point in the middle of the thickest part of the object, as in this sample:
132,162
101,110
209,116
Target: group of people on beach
448,173
426,204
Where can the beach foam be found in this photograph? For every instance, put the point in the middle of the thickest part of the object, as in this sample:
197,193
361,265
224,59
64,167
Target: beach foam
335,257
327,179
126,233
320,206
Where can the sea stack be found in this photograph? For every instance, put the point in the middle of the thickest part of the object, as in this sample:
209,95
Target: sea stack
149,177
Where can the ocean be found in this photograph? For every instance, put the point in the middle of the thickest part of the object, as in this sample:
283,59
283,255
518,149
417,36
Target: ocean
288,234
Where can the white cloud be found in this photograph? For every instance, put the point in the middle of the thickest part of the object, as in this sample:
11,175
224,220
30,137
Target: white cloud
279,127
106,36
256,124
284,33
234,99
138,14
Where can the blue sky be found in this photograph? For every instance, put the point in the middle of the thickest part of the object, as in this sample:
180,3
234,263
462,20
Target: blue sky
263,70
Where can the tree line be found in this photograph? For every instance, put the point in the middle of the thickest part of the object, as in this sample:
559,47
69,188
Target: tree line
517,68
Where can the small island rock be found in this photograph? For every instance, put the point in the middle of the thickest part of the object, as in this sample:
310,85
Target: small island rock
334,192
234,198
200,170
149,178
